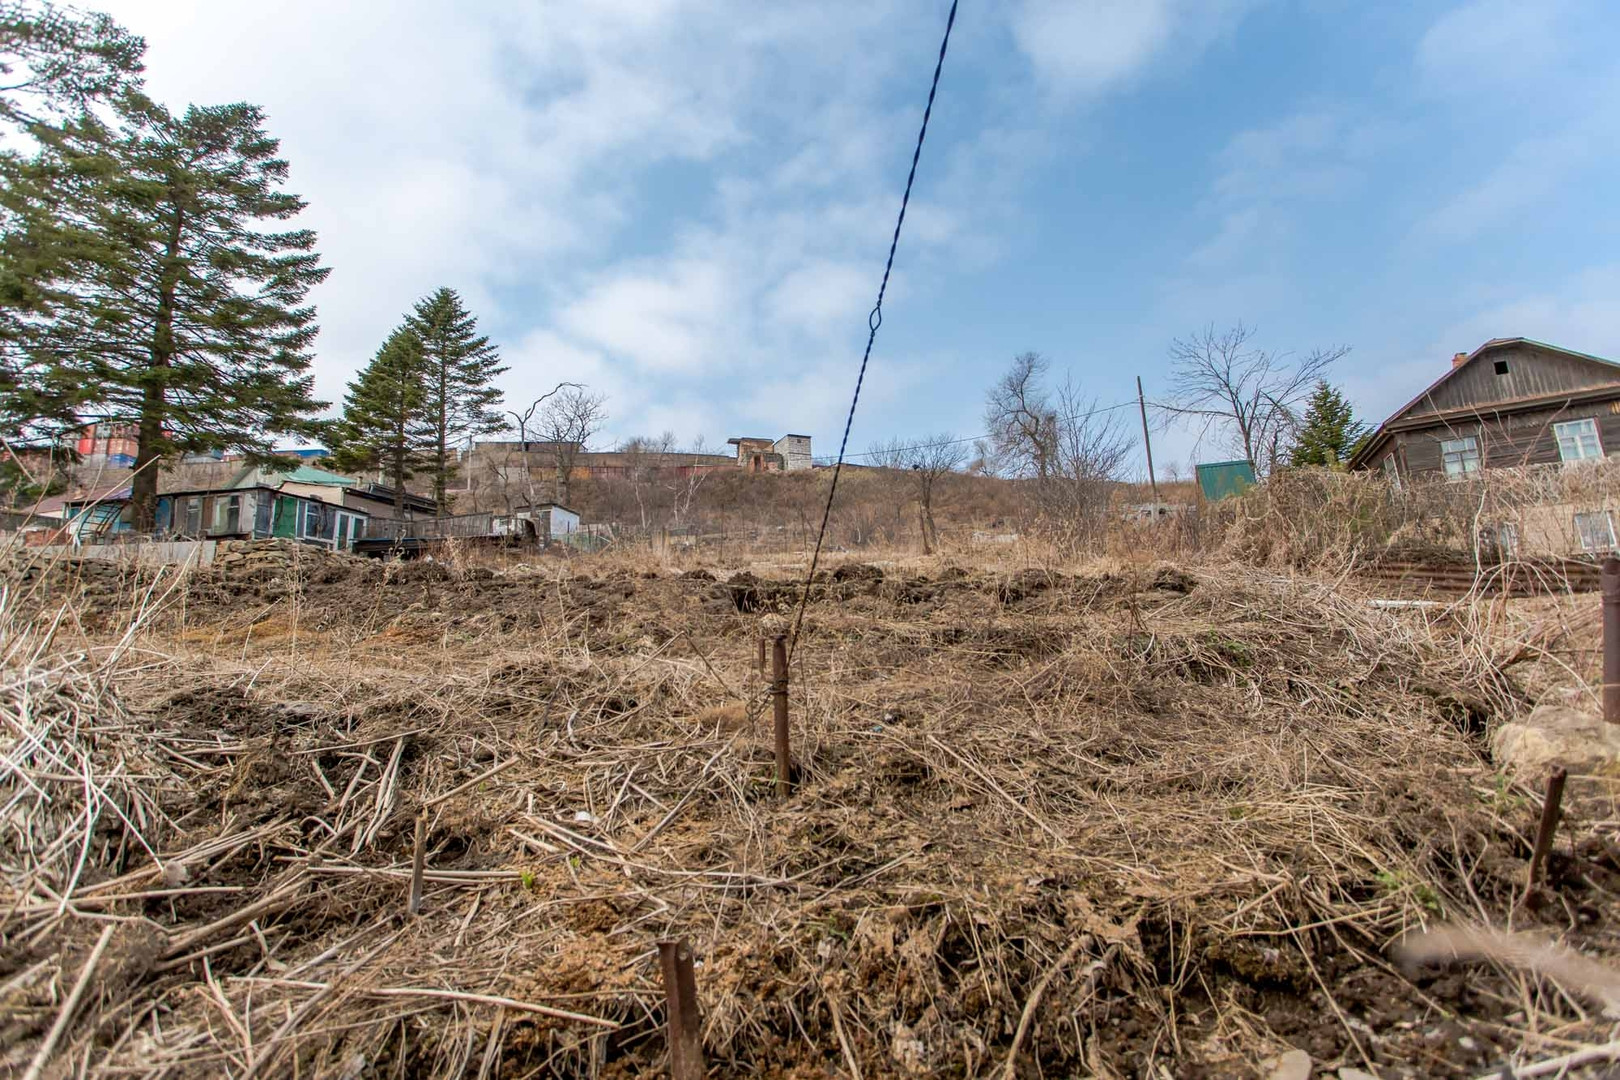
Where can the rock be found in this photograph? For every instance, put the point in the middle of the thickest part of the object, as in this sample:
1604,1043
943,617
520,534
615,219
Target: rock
1557,735
1293,1065
1347,1073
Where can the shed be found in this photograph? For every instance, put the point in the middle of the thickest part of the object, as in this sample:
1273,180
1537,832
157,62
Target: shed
552,522
1222,479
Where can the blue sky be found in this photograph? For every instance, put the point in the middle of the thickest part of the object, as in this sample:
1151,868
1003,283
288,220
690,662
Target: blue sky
686,203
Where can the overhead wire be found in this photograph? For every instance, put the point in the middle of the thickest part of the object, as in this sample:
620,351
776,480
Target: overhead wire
873,321
888,450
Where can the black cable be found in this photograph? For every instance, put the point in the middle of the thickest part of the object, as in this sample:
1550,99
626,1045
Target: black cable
873,321
885,451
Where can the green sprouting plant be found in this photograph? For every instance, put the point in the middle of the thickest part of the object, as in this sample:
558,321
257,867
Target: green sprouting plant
1396,881
527,880
1426,896
1502,799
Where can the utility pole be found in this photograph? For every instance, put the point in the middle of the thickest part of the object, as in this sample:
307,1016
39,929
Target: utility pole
1147,442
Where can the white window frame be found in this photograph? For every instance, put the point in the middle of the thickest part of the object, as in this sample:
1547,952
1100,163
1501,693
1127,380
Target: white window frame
1392,471
1464,450
311,514
1605,521
1507,539
1578,440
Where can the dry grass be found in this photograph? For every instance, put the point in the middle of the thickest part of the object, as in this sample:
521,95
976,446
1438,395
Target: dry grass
1109,820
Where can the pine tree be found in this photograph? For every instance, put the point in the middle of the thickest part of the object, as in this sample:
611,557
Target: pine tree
57,64
460,365
383,414
1330,431
160,285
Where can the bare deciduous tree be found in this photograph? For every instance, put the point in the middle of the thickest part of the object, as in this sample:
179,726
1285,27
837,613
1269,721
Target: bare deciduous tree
1091,447
686,479
1020,419
568,422
523,421
1227,381
924,461
645,459
1070,450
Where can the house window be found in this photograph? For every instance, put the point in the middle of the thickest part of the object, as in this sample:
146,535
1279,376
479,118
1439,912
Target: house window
1596,530
1460,456
228,514
1507,540
314,519
1501,367
1392,472
1578,440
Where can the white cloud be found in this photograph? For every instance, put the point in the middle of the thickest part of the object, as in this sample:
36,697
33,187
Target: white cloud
821,297
1269,178
665,319
1478,43
518,154
1581,313
1539,80
1525,176
1085,46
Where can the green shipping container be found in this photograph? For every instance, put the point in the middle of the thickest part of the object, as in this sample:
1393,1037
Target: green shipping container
1221,479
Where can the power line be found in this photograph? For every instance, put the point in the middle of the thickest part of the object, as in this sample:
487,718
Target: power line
873,321
985,435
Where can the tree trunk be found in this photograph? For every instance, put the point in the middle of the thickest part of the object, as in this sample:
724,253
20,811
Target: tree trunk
144,485
154,406
564,468
399,480
441,468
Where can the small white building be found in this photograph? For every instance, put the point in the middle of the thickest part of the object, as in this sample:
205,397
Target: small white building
551,521
794,451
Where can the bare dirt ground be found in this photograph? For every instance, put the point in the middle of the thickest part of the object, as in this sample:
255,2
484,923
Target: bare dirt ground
1104,820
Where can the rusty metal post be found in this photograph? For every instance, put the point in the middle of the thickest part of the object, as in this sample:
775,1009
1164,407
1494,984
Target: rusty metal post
759,661
779,708
1609,581
680,996
418,856
1549,825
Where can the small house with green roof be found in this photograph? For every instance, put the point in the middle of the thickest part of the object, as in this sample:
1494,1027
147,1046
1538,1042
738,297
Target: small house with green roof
304,503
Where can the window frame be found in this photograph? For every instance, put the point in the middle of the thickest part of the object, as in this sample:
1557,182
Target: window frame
1392,470
1589,425
1470,452
1607,519
311,520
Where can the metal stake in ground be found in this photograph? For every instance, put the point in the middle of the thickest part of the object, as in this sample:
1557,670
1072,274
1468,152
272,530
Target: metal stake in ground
759,661
1609,582
1549,823
418,857
680,996
779,708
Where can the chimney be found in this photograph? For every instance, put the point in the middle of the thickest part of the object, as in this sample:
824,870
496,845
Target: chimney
1457,361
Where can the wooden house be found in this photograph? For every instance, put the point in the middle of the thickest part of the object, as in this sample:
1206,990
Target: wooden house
1510,402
